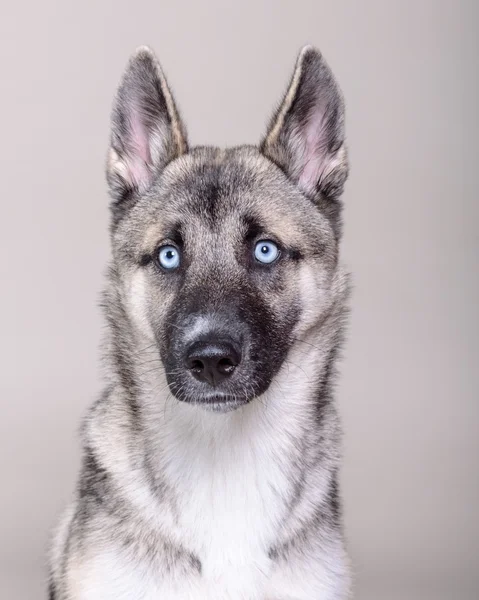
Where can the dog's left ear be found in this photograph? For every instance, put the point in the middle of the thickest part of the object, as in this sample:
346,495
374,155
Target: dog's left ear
146,130
306,134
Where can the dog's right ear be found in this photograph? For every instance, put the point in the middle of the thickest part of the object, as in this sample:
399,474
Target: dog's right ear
146,130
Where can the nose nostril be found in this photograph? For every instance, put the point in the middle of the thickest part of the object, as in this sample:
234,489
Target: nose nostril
226,366
197,366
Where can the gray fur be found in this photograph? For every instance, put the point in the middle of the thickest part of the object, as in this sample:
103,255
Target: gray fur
231,492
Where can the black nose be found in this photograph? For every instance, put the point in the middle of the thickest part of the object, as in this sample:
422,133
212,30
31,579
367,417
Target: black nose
212,361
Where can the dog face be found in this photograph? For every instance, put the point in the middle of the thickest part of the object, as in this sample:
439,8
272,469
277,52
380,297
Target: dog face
225,257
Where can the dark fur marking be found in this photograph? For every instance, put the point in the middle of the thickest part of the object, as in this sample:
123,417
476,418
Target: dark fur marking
253,228
295,254
94,483
196,563
335,499
300,538
210,195
145,260
325,384
210,183
175,235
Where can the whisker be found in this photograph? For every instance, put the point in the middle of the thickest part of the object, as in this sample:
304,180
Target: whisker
290,362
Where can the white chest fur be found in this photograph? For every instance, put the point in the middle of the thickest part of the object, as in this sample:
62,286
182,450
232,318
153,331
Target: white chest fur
232,476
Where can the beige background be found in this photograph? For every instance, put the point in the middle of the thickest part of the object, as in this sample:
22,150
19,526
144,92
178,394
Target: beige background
408,391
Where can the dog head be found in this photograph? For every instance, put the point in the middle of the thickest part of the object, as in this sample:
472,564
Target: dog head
225,257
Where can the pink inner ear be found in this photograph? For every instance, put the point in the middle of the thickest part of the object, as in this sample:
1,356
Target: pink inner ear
139,155
313,157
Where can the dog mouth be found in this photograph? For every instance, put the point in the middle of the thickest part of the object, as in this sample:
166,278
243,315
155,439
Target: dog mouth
219,402
215,400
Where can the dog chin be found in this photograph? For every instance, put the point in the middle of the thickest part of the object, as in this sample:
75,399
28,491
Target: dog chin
218,403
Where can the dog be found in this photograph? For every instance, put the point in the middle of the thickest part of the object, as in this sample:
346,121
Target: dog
210,462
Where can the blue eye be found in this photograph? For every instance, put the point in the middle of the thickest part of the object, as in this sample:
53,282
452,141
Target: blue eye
169,257
266,251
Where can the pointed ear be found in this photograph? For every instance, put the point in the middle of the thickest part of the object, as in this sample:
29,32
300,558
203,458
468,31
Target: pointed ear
306,134
146,129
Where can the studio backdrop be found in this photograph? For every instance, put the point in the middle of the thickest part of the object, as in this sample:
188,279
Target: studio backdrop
408,381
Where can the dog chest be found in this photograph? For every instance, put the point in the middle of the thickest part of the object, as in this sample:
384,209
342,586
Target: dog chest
231,492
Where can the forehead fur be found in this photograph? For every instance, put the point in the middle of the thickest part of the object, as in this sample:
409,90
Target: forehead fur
223,191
